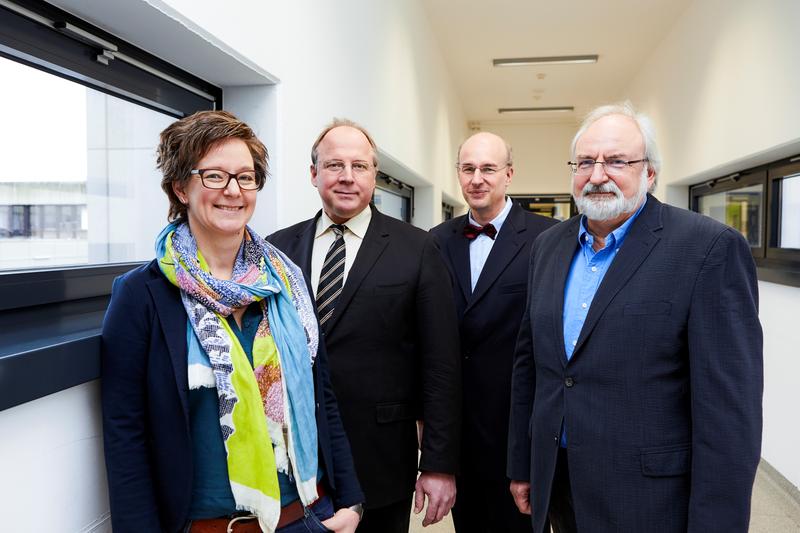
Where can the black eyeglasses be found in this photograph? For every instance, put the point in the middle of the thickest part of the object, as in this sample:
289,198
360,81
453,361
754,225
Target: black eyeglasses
613,167
214,178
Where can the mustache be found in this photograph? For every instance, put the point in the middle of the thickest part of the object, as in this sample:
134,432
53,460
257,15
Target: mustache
607,187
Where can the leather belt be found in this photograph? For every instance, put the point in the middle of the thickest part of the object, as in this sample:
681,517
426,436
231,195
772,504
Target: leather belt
248,523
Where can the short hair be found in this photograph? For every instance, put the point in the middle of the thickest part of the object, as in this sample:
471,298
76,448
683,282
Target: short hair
642,121
338,122
509,152
186,141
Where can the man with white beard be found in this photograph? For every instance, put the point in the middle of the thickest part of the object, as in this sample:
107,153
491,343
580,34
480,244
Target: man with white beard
637,382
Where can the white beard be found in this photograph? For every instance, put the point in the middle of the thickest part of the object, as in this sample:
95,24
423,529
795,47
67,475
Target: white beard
601,210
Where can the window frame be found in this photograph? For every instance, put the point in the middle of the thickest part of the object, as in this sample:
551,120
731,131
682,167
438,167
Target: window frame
387,183
775,265
51,319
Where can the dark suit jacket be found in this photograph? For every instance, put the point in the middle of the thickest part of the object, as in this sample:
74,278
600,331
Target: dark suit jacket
489,320
393,347
145,395
661,399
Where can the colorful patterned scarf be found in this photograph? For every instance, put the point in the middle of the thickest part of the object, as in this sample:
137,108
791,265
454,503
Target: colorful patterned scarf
266,412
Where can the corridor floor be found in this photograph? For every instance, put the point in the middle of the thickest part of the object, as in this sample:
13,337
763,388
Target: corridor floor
773,511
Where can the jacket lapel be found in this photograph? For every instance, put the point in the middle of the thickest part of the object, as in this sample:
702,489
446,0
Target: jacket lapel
562,259
301,249
375,241
172,317
637,246
458,250
507,245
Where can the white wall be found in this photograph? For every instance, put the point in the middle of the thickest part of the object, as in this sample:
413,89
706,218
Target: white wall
541,152
374,62
723,89
51,459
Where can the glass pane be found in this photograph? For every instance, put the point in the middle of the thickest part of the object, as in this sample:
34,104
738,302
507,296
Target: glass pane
790,212
740,208
392,204
78,183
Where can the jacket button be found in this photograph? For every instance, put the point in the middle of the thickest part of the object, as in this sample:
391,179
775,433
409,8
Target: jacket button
466,355
569,382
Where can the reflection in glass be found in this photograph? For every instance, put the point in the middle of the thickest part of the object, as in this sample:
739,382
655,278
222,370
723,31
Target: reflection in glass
790,211
740,208
78,183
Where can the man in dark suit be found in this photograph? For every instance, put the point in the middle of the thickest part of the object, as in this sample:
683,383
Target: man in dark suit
386,308
487,253
637,383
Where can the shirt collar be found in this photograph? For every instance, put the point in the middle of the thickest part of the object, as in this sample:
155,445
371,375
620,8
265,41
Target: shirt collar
357,225
497,222
614,238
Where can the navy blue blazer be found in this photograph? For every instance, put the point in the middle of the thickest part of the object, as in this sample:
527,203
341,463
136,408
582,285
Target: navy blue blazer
489,319
661,399
146,416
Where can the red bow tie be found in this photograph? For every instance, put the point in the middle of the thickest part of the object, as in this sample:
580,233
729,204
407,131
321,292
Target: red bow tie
471,231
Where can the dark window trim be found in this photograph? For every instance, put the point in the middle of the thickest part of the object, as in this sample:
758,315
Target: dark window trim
773,264
50,319
59,52
42,287
738,180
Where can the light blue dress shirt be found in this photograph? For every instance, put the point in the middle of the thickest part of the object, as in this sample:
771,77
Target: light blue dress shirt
481,246
585,274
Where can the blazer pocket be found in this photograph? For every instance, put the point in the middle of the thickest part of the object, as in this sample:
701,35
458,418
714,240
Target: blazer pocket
666,461
510,288
386,413
396,288
648,308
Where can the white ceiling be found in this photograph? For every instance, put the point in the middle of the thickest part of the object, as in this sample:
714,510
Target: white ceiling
473,32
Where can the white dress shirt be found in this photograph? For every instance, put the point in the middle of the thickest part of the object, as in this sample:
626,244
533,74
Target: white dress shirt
481,246
354,232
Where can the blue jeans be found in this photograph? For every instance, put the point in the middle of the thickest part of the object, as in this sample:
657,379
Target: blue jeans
312,521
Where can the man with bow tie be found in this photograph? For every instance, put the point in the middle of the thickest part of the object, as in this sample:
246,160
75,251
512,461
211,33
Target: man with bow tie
486,252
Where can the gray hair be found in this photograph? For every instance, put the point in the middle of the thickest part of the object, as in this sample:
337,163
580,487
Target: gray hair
643,122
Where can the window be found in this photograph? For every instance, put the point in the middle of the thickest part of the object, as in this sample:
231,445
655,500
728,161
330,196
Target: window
558,206
448,211
393,197
80,197
763,204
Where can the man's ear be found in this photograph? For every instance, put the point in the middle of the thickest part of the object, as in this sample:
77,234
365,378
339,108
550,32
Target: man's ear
313,170
509,175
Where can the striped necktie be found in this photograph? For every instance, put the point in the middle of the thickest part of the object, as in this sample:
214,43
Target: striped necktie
331,278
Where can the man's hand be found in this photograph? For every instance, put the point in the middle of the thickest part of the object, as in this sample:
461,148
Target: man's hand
344,521
441,492
521,491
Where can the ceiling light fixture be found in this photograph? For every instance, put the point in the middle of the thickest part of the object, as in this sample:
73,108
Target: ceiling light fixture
552,60
526,109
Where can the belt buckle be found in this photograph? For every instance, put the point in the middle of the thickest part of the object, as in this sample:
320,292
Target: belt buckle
235,519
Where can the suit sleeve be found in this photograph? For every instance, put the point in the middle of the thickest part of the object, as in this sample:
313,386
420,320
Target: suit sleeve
726,366
348,490
126,332
437,335
523,387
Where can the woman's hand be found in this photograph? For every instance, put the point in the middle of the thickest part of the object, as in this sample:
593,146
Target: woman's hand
344,521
